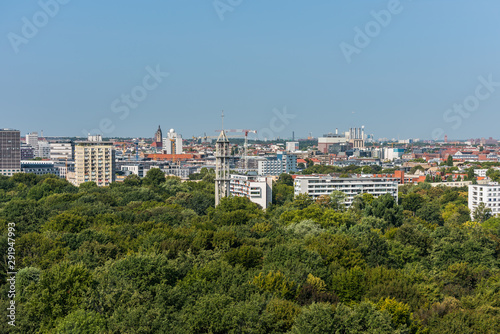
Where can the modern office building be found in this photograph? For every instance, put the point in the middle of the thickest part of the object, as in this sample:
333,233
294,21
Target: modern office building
94,162
10,152
316,186
256,188
489,194
62,150
274,166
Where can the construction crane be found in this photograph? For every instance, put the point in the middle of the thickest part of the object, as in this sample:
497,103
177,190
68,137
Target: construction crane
246,132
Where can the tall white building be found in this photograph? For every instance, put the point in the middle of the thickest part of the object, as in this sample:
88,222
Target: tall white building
256,188
489,194
292,146
32,139
316,186
274,166
173,143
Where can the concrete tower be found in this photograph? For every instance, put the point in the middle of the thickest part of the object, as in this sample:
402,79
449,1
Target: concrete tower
222,156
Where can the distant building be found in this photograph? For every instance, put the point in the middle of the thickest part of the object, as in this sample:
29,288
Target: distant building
32,139
62,150
173,143
292,146
393,153
137,169
480,172
42,150
27,152
94,137
39,167
274,166
489,194
333,143
10,152
94,162
256,188
315,186
158,140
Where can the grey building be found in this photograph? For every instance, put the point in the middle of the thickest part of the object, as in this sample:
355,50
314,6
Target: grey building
10,152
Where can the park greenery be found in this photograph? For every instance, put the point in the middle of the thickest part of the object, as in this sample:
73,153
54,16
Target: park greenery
154,255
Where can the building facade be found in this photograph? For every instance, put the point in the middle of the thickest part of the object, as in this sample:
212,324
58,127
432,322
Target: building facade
489,194
274,166
32,139
256,188
94,162
315,186
27,152
42,150
10,152
62,150
40,168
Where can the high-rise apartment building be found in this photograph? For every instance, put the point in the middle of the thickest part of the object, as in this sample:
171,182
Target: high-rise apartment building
94,162
10,152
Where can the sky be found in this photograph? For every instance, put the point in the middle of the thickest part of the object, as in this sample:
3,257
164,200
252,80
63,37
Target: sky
403,69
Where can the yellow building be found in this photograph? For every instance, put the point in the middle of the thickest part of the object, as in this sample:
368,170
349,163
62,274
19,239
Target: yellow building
94,162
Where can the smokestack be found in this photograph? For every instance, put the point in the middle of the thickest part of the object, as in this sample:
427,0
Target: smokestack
337,131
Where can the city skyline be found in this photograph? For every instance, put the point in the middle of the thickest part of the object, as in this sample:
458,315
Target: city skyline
404,69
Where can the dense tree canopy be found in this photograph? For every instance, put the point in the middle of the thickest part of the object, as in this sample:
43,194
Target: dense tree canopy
155,256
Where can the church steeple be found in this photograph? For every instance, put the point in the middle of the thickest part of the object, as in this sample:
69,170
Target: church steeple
158,138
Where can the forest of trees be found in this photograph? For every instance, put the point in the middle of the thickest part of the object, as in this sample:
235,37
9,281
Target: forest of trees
153,255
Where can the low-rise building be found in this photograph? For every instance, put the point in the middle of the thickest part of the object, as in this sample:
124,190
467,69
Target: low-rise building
315,186
39,167
256,188
62,150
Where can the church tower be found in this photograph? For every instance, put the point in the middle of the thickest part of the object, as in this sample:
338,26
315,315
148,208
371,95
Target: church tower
158,139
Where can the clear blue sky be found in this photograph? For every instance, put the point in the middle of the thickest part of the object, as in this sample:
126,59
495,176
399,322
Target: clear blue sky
264,55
